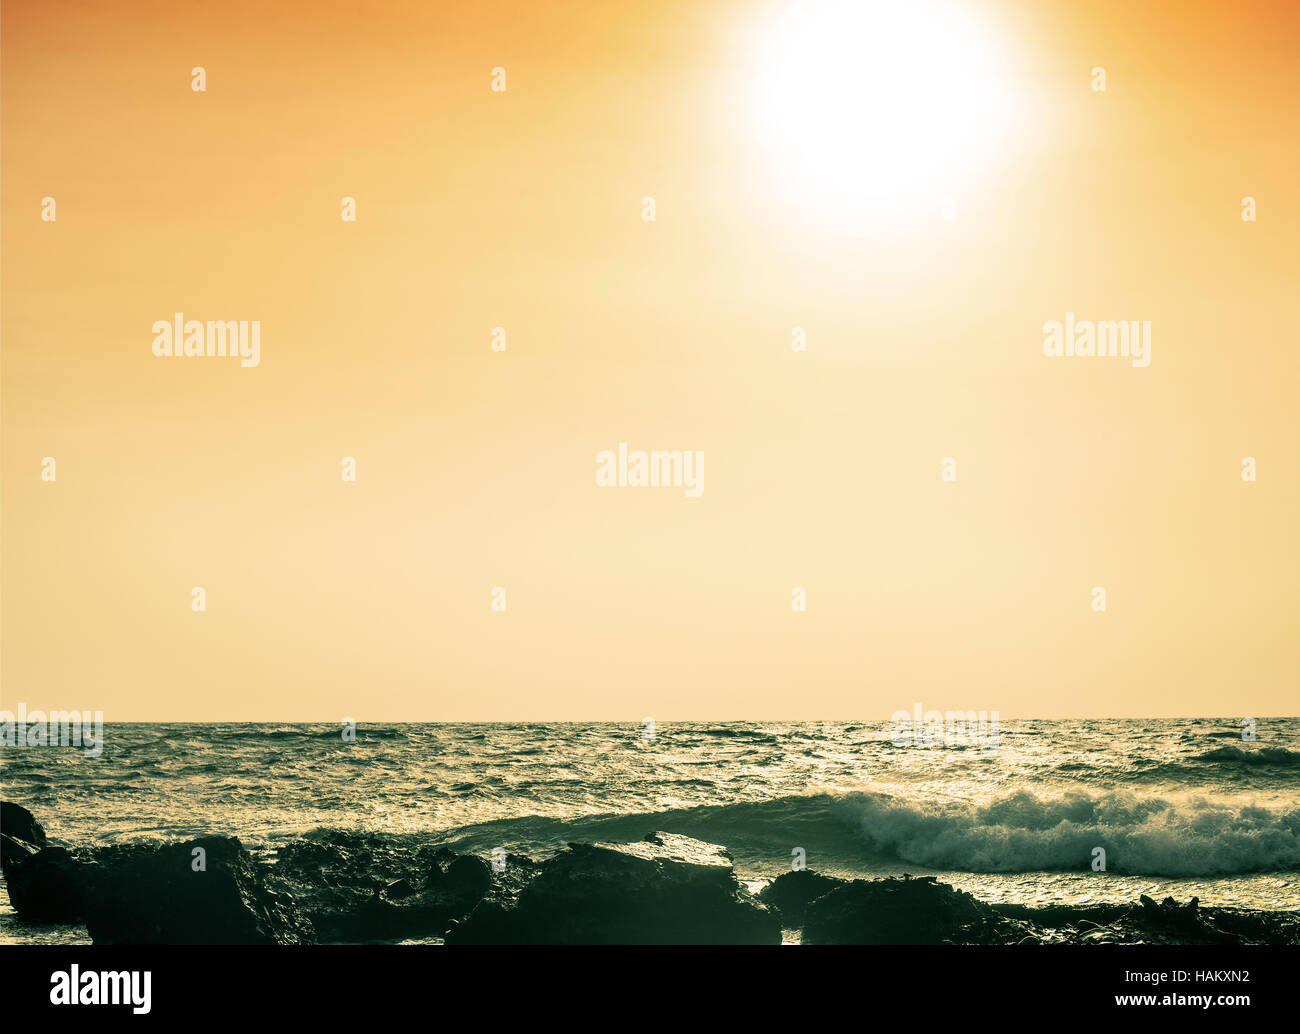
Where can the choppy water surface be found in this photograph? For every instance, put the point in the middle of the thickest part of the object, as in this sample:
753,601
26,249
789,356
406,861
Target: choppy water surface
1180,806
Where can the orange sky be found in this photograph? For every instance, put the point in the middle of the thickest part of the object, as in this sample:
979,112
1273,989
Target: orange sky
523,209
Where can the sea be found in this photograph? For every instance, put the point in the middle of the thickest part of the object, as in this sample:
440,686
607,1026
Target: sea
1180,807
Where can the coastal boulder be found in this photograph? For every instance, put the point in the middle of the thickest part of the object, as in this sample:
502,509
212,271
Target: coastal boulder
163,896
361,887
48,886
334,876
401,911
17,823
46,883
790,894
665,889
907,910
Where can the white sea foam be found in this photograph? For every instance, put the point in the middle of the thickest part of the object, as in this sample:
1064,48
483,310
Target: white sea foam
1022,832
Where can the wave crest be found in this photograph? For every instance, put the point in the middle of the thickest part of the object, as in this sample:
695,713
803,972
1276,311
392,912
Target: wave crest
1260,756
1025,833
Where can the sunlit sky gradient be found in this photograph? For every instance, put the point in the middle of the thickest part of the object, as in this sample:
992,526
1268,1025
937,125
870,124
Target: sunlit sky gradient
478,209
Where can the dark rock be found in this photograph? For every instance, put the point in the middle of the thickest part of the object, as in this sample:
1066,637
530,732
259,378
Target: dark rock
1170,913
791,892
448,895
466,877
19,823
1150,923
1172,923
1082,916
361,887
666,889
341,881
49,886
157,897
1252,927
12,850
902,911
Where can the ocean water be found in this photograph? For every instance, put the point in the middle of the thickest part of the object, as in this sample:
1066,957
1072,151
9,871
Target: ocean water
1182,807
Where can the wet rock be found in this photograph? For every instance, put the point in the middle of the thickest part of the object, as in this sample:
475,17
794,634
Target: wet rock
1170,913
338,880
11,849
1171,923
1149,922
359,887
19,824
466,877
46,883
665,889
909,910
449,894
48,886
158,897
1247,927
790,893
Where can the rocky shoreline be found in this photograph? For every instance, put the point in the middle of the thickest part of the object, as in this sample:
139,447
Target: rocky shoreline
336,887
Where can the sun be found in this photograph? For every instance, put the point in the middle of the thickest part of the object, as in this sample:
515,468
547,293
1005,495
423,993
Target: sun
873,105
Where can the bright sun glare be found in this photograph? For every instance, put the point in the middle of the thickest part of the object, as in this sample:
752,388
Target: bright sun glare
869,105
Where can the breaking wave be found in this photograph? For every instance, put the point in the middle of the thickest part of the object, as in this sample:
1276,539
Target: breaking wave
1260,756
1141,835
1021,832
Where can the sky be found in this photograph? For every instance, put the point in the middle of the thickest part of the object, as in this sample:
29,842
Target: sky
913,197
